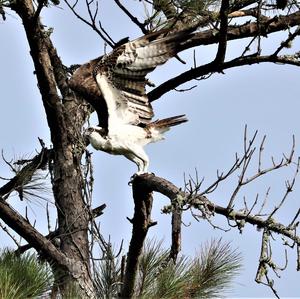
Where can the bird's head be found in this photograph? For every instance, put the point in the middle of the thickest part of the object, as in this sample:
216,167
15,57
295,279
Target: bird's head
91,132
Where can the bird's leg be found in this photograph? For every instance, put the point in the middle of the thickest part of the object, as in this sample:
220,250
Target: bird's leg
139,164
140,154
140,158
137,161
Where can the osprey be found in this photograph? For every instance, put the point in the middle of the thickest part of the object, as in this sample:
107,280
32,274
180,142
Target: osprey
115,85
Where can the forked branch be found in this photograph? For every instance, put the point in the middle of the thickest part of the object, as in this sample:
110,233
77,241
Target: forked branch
93,19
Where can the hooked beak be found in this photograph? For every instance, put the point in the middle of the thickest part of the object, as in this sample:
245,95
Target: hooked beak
87,133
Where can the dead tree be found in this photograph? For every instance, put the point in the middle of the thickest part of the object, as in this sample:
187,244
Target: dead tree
69,248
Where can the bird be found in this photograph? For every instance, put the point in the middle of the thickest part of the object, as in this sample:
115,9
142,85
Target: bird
115,85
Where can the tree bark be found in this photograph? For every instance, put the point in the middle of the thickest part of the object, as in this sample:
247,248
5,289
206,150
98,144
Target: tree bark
65,118
141,222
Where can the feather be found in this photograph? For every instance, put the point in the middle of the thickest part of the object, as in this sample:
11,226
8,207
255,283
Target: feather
122,74
164,125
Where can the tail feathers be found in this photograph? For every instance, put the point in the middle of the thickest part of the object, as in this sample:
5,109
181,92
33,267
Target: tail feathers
156,129
164,124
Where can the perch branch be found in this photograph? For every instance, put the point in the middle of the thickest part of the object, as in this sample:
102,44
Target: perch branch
157,184
141,222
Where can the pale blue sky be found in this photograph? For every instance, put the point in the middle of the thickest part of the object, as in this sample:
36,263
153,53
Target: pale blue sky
265,97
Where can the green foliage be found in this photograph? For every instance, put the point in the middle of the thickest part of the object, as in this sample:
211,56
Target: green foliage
72,292
186,10
211,273
152,259
23,276
8,287
107,276
170,282
206,276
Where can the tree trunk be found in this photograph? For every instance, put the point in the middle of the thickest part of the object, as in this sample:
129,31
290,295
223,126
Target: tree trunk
65,116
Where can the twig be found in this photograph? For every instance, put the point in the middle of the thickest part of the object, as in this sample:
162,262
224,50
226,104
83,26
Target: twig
56,234
295,218
246,161
265,201
4,228
298,257
48,218
91,24
261,149
289,189
258,20
264,262
221,177
9,163
168,189
132,17
287,42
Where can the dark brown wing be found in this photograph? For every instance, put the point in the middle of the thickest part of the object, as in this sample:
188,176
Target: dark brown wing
85,85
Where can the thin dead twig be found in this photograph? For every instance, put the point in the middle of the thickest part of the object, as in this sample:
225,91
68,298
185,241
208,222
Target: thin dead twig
132,17
5,229
92,22
287,42
248,154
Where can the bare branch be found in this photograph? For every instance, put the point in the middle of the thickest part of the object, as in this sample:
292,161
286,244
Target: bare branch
40,243
153,183
298,257
238,32
287,42
289,189
132,17
176,231
294,219
212,68
92,23
245,159
223,32
24,176
5,229
265,261
264,201
96,212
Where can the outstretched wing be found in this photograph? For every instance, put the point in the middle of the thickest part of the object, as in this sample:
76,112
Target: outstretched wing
121,76
84,84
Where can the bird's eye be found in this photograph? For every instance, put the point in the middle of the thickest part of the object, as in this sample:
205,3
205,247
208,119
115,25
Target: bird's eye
90,130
